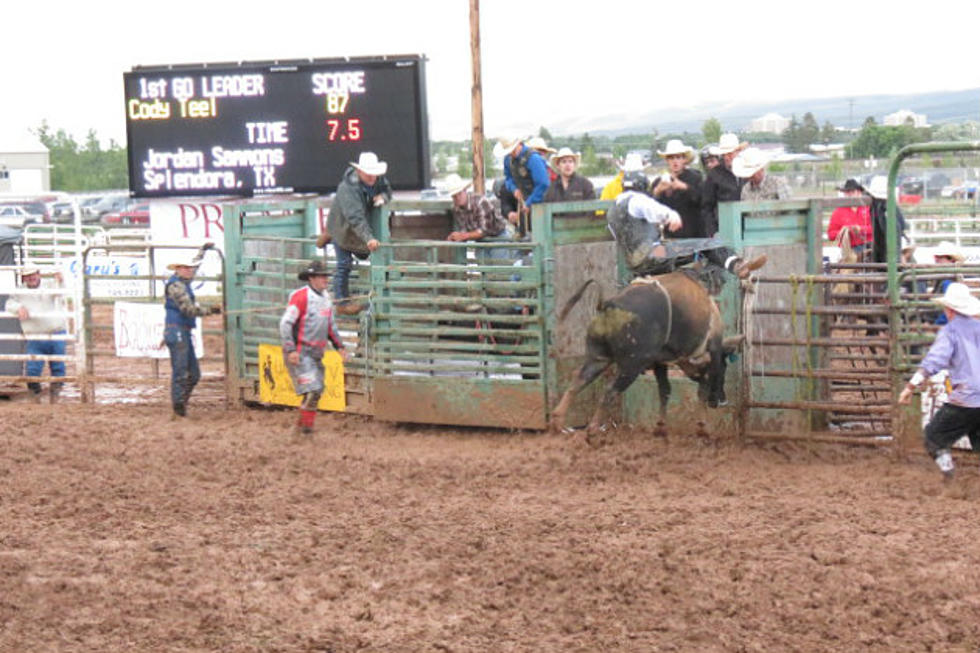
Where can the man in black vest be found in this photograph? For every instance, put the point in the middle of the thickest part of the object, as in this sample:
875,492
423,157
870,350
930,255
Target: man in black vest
526,176
680,189
721,184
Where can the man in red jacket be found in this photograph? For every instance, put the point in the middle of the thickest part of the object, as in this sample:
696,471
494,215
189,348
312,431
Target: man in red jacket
856,219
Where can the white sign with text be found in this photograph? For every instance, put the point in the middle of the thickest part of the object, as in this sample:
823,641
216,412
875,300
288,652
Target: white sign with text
138,330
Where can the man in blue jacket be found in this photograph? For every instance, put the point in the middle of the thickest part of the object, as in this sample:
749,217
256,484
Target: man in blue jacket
526,176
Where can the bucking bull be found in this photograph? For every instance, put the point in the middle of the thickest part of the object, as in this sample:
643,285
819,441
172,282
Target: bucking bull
656,321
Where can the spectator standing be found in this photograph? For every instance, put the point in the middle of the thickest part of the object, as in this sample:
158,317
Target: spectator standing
721,184
750,166
540,146
855,219
304,330
570,186
709,157
362,189
42,320
956,349
680,189
182,311
632,165
474,217
878,192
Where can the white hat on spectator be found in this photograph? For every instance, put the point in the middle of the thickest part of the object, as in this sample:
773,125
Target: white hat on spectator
729,143
565,152
675,146
749,162
539,144
456,184
947,248
958,298
508,142
369,164
878,188
633,162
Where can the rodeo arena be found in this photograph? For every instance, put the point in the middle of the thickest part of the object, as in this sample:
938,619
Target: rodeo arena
529,442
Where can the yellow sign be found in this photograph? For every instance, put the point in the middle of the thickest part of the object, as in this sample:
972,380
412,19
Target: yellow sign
275,386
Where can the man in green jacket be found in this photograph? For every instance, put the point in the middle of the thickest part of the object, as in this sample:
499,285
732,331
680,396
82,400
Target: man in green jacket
362,189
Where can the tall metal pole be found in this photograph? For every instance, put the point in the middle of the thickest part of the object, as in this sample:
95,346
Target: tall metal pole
477,96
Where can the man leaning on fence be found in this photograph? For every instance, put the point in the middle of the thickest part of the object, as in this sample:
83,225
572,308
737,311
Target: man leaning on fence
42,319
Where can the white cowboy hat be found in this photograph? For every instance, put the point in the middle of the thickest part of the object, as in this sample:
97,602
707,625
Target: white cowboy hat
369,164
729,143
907,245
28,270
508,142
183,261
539,144
958,298
633,162
878,188
675,146
456,184
565,152
947,248
749,162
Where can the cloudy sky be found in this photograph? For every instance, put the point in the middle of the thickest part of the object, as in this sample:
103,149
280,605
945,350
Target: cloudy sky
543,62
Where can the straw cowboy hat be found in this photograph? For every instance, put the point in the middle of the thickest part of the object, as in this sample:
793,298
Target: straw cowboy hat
675,146
539,144
958,298
508,142
633,162
185,261
369,164
316,267
562,153
28,270
456,184
749,162
729,143
947,248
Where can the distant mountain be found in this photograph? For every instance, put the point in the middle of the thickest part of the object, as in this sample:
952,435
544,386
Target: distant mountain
939,107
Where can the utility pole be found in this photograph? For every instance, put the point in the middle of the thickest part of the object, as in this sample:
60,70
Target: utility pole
477,94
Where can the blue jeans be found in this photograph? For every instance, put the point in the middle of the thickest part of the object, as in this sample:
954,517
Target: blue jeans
46,348
183,364
340,287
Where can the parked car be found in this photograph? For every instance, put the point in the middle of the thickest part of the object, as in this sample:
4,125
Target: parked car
62,212
107,204
14,215
136,214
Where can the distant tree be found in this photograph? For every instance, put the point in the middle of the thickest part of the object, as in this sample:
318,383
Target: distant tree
85,168
829,133
465,167
711,130
791,135
545,134
883,141
441,163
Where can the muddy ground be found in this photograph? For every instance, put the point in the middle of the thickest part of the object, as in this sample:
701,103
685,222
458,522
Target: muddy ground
125,531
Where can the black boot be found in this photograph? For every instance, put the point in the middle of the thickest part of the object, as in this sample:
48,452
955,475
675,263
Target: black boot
35,391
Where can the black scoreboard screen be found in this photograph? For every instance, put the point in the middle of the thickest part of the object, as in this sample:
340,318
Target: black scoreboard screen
253,128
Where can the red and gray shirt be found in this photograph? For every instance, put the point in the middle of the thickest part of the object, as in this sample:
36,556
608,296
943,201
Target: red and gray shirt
308,322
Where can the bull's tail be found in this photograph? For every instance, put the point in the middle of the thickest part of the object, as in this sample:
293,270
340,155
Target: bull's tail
573,300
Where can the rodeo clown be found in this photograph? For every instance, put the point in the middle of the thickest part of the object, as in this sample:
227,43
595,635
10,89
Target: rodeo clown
304,329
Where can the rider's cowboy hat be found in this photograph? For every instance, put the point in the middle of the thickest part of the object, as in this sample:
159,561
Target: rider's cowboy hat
28,270
315,268
456,184
184,261
563,153
958,298
675,146
369,164
749,162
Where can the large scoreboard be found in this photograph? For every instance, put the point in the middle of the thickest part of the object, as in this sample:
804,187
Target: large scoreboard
277,127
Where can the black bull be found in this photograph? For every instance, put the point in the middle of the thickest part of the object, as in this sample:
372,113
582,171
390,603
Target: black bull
654,322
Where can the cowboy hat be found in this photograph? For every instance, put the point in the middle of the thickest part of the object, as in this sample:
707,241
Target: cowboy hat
184,261
878,188
849,185
456,184
539,144
948,249
563,153
749,162
28,270
958,298
633,162
675,146
315,268
508,142
369,164
729,143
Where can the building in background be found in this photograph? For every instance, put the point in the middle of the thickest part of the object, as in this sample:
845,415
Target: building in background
25,167
902,116
771,123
